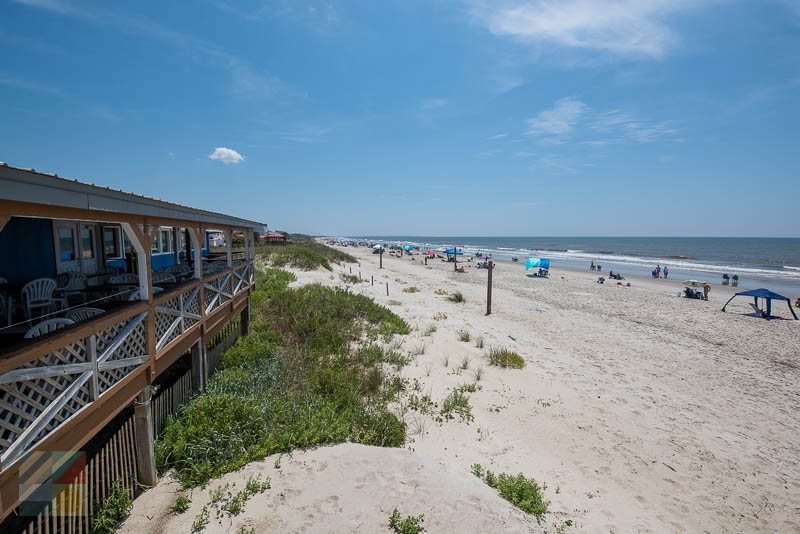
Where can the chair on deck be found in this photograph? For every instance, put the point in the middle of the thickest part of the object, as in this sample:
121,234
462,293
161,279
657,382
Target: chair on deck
162,277
45,327
124,278
70,284
81,314
135,295
38,295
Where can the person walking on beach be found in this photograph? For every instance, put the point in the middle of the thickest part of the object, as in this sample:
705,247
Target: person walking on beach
592,266
666,272
658,271
706,289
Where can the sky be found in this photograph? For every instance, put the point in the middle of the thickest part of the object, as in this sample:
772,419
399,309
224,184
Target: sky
431,117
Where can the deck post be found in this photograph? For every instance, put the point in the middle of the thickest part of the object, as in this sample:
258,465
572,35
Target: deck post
197,366
229,246
145,451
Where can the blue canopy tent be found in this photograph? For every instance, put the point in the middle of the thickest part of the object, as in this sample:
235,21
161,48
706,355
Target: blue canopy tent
541,263
766,294
453,251
409,247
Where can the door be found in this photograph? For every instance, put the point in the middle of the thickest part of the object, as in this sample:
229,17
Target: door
76,246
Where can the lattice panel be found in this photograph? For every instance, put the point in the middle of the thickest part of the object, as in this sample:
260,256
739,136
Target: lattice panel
176,316
24,399
165,320
217,292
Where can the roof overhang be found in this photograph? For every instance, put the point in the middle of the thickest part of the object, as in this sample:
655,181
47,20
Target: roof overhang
27,185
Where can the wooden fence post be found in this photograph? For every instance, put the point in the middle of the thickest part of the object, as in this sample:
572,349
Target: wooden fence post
489,289
145,451
380,258
387,289
197,366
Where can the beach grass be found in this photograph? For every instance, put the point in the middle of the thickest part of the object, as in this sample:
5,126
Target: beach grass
411,289
464,335
457,297
502,357
305,253
524,493
295,381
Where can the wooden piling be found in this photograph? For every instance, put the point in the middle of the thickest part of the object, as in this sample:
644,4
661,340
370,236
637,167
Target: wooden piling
145,452
489,289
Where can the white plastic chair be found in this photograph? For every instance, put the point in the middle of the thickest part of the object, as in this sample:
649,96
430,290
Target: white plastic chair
45,327
162,277
38,294
124,278
70,284
178,269
81,314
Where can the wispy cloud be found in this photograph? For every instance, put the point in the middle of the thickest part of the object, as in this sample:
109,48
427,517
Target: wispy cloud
226,155
497,136
622,27
558,120
21,83
640,130
433,103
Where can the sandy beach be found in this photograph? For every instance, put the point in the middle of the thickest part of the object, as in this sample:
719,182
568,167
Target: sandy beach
641,411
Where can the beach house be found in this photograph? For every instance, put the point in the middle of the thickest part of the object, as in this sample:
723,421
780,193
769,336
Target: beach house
101,292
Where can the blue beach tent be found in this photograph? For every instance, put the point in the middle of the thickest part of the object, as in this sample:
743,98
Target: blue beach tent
766,294
453,251
534,263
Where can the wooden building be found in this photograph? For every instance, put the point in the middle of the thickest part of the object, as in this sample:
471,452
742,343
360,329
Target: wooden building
101,291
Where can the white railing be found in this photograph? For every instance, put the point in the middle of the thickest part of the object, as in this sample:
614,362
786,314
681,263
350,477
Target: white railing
217,292
176,315
43,393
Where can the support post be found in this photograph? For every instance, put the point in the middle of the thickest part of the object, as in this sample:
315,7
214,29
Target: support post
489,289
197,366
145,451
387,289
455,258
229,246
380,258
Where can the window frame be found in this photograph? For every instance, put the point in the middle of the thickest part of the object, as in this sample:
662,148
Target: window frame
118,244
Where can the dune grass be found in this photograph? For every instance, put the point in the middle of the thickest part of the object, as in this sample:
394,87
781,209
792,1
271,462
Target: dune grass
524,493
457,297
502,357
294,381
305,253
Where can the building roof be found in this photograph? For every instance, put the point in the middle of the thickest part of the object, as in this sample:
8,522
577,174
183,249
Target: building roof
27,185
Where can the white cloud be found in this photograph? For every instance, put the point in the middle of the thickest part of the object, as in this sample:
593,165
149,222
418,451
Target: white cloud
226,155
640,130
623,27
559,120
497,136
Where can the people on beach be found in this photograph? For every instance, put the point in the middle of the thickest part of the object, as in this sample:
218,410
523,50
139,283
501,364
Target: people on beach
592,267
797,304
666,272
658,270
735,279
706,289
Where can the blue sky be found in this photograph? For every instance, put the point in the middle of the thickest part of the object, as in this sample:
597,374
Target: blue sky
578,117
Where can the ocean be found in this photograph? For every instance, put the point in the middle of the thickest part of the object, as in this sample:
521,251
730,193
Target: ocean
773,263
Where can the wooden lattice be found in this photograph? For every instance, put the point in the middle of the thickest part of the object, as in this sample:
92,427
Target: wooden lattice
176,316
241,279
42,394
218,292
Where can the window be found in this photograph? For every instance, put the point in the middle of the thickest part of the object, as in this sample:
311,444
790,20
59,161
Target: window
166,240
87,243
111,242
66,243
154,248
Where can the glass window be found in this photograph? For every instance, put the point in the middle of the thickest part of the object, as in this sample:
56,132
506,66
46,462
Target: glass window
66,243
155,243
87,243
166,240
111,242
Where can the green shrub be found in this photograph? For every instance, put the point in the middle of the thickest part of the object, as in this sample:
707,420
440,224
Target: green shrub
181,505
305,253
409,525
522,492
411,289
112,510
457,296
350,278
464,335
456,403
503,357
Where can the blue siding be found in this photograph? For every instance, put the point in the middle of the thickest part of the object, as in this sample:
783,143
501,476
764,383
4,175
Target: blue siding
27,250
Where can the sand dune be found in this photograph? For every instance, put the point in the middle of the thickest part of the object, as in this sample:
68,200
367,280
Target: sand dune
641,411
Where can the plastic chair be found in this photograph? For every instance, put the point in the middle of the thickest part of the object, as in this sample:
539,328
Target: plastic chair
70,284
38,294
124,278
81,314
45,327
162,277
136,293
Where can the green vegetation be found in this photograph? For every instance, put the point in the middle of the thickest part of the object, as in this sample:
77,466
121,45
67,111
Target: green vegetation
440,292
113,510
350,279
478,374
429,330
200,520
479,342
522,492
457,296
294,382
181,505
410,525
464,335
465,363
411,289
503,357
305,253
457,404
440,316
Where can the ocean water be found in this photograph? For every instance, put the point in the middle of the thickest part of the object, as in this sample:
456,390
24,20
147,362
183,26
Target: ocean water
773,263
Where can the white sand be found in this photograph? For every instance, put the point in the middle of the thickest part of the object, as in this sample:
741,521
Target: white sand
642,412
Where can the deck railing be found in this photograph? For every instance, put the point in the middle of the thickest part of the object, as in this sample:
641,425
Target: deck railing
46,383
217,291
176,312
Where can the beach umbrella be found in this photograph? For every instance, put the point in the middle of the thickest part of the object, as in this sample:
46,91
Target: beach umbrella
692,283
440,249
377,246
409,247
533,263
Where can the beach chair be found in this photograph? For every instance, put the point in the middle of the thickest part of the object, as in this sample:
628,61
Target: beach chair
38,295
81,314
162,277
68,285
45,327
